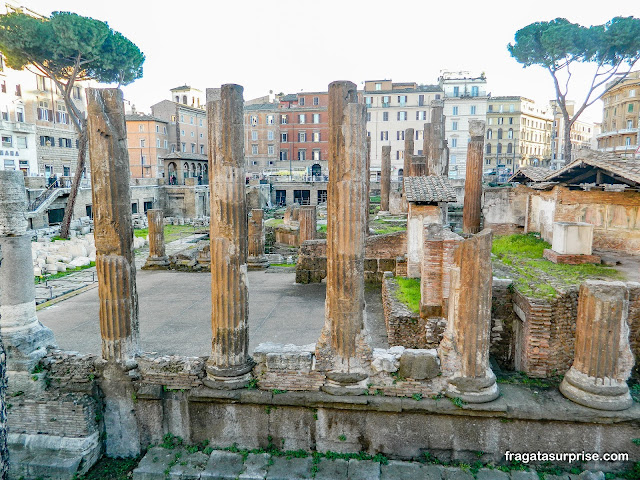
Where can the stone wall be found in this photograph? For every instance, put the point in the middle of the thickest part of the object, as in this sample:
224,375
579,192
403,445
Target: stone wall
380,256
634,325
503,346
504,209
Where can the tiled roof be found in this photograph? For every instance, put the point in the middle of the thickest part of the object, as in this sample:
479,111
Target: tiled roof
534,174
429,189
612,164
289,97
142,117
261,106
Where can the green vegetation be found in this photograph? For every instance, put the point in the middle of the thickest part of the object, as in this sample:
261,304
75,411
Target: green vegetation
521,378
273,222
374,199
283,265
540,278
111,468
53,276
171,232
322,228
58,237
409,292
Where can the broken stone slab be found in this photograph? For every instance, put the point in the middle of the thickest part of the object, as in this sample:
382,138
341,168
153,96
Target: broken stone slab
154,464
456,474
189,466
493,474
223,466
397,470
284,468
363,470
255,467
336,469
277,356
419,364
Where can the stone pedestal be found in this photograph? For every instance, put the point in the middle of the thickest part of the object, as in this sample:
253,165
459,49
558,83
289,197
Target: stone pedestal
473,184
157,257
229,365
308,223
572,244
603,360
342,349
113,229
385,178
256,259
25,338
464,350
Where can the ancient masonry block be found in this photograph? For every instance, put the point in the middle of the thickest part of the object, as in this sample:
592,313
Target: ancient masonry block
157,256
256,258
473,184
385,178
603,360
308,223
229,365
464,350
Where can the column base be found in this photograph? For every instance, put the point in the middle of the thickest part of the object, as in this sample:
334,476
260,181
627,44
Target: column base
473,390
257,263
591,392
341,383
230,378
156,263
25,346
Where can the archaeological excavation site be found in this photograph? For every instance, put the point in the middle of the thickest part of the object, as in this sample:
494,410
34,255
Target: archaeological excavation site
411,327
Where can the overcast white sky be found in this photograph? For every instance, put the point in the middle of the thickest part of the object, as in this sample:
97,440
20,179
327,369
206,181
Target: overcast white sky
294,45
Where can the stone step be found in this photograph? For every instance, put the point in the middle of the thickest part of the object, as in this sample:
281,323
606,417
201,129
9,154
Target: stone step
39,463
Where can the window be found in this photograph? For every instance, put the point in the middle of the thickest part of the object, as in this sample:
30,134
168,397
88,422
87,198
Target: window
454,125
316,118
183,146
157,142
315,154
41,83
65,142
630,108
500,120
253,120
191,120
5,113
386,101
368,101
302,137
420,100
22,142
302,118
455,110
173,120
142,142
254,149
385,116
499,134
166,144
141,128
632,93
511,108
510,133
487,161
509,148
384,135
489,134
402,116
7,140
271,149
182,118
421,115
302,154
200,122
472,110
301,101
454,142
61,113
629,123
378,86
475,91
316,136
284,154
488,148
400,135
283,137
501,108
254,135
402,100
490,108
66,171
201,149
270,119
316,101
456,91
283,119
499,148
43,111
627,141
510,120
182,132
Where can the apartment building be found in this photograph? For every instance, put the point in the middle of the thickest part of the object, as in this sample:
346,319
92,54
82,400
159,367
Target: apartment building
620,118
465,99
518,133
262,136
148,144
582,133
392,108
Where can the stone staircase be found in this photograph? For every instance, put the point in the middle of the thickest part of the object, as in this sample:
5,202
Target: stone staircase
44,201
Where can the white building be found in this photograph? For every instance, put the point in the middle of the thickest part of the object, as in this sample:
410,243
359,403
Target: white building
465,98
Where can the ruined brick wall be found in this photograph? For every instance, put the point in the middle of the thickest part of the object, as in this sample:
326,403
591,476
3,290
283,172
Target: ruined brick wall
287,235
504,209
502,347
563,332
380,256
634,326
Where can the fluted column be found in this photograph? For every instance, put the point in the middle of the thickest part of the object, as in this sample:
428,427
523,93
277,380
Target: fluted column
113,229
464,351
308,223
473,184
256,258
157,256
385,178
602,360
229,365
342,346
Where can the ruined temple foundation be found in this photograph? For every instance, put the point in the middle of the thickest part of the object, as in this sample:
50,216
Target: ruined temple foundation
308,223
472,208
157,257
602,360
342,349
25,338
385,179
229,365
464,350
256,259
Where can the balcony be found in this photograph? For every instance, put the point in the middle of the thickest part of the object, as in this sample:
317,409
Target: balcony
386,104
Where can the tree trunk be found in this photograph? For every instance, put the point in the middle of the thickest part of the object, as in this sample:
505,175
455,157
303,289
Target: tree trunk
566,148
75,185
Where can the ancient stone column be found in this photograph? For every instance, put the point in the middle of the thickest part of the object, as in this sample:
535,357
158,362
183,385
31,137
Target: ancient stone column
385,178
256,259
366,225
342,347
25,338
113,228
418,166
464,350
157,257
433,143
602,360
229,365
473,183
408,151
308,223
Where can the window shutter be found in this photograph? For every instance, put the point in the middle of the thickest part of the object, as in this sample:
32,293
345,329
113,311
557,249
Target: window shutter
50,115
41,139
58,117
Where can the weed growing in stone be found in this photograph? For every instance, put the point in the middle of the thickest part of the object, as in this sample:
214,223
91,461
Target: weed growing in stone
275,391
458,402
342,438
417,397
252,384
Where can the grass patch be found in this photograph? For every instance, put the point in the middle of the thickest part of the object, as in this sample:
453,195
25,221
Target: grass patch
374,199
282,265
171,232
409,292
322,228
58,237
389,229
53,276
539,278
521,378
273,222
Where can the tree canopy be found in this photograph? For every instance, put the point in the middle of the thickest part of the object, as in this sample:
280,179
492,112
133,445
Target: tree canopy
613,48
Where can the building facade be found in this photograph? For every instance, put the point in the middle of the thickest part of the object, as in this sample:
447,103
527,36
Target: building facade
582,133
620,117
518,133
148,144
392,108
465,99
262,137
